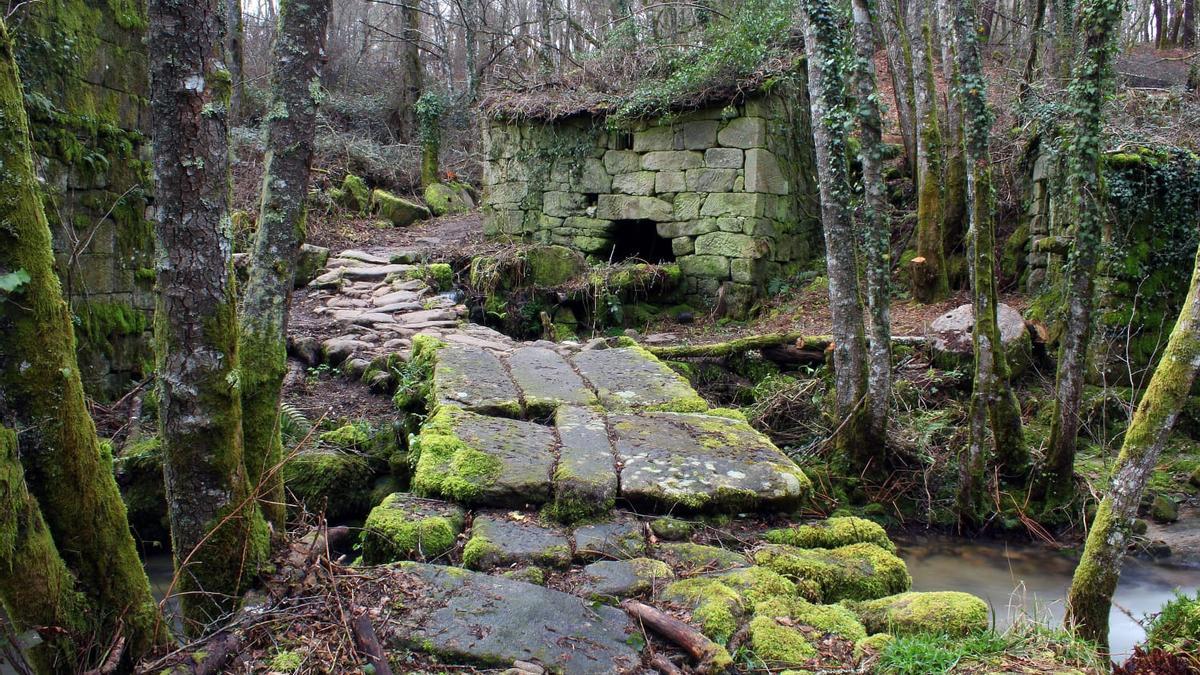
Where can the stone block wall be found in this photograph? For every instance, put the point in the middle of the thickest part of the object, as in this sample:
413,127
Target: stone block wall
728,189
85,72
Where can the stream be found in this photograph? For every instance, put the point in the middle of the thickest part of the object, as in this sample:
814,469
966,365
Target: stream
1029,579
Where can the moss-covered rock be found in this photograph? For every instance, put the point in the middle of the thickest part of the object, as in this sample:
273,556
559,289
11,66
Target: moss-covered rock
784,630
404,527
354,194
856,572
941,612
332,480
872,644
832,533
399,211
1163,509
347,437
716,608
450,198
672,529
688,557
551,266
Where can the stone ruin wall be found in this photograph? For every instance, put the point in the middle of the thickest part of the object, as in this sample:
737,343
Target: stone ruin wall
85,72
731,188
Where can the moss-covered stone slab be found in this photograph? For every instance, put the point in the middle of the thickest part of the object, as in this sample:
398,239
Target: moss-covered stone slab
476,380
855,572
444,199
501,540
632,378
476,459
547,380
615,579
460,616
333,481
585,478
935,613
690,558
620,538
832,533
407,527
703,462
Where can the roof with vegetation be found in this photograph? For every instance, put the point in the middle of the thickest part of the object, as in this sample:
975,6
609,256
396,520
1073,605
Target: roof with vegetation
737,56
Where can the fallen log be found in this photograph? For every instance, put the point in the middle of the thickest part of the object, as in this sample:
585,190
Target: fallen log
740,346
709,656
368,644
663,665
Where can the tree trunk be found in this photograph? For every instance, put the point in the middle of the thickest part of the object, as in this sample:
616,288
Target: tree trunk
1189,24
954,206
1096,577
410,62
995,418
876,229
823,44
295,88
41,398
929,278
899,53
1099,20
218,535
1035,41
235,57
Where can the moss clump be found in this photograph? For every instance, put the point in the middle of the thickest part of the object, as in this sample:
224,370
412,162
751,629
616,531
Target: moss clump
778,629
716,607
832,533
335,481
756,584
444,199
551,266
729,413
401,528
672,529
398,211
530,575
1176,628
478,551
872,644
689,556
348,437
286,661
414,378
856,572
355,193
942,612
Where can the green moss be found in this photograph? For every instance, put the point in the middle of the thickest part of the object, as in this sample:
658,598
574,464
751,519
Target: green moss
477,552
855,572
334,481
942,613
446,465
99,323
355,193
350,436
756,584
672,529
778,635
872,644
716,607
530,575
832,533
398,211
397,530
286,661
728,413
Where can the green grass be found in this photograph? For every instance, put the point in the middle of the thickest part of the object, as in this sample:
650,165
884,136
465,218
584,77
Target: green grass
1025,642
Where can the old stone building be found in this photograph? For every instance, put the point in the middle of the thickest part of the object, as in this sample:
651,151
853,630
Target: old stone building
725,189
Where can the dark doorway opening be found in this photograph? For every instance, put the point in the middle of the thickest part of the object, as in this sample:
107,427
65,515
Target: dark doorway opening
638,239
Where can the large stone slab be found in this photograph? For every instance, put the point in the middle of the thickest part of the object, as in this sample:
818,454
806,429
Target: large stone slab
618,539
547,380
953,338
702,462
624,578
493,621
477,459
499,541
585,479
476,380
631,378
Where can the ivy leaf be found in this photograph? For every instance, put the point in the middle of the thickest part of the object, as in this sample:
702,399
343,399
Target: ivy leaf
11,282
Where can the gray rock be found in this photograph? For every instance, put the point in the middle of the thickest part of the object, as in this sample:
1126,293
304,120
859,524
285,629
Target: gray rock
467,616
497,541
547,380
952,344
363,256
703,462
673,160
309,263
585,478
374,272
624,578
627,378
743,132
637,183
404,257
629,207
621,538
474,379
723,158
331,279
305,348
691,557
763,173
337,350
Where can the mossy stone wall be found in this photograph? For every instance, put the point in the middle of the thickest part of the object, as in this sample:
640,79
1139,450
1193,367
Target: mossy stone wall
86,81
731,187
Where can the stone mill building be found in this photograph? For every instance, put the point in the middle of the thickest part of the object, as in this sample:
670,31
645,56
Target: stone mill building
725,187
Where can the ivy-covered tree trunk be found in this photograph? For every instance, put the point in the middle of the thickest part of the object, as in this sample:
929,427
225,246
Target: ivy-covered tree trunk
429,119
928,270
42,401
995,418
299,54
824,47
1092,81
899,53
1090,597
876,233
218,535
1060,49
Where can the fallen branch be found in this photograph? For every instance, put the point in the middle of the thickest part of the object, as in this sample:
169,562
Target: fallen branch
708,655
740,346
368,644
663,665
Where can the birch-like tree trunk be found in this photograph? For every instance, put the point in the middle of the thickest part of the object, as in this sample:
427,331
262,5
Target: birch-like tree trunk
954,205
295,92
995,418
876,232
74,521
823,44
928,270
1096,576
899,53
1091,83
218,535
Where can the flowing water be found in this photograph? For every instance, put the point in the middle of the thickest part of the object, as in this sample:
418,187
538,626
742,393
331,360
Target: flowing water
1025,578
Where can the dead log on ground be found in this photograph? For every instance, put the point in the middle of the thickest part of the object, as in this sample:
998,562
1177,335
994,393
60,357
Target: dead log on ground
709,656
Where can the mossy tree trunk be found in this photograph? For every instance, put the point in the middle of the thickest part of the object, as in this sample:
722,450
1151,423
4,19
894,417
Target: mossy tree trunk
823,37
1095,580
218,535
410,68
899,53
1060,49
995,417
954,205
876,231
42,399
1099,20
295,90
930,281
429,118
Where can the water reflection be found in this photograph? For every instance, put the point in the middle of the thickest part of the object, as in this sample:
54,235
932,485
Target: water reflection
1025,578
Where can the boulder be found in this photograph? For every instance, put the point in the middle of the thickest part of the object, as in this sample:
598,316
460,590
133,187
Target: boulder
855,572
404,527
615,579
952,334
444,199
399,211
332,480
934,613
554,265
832,533
309,263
